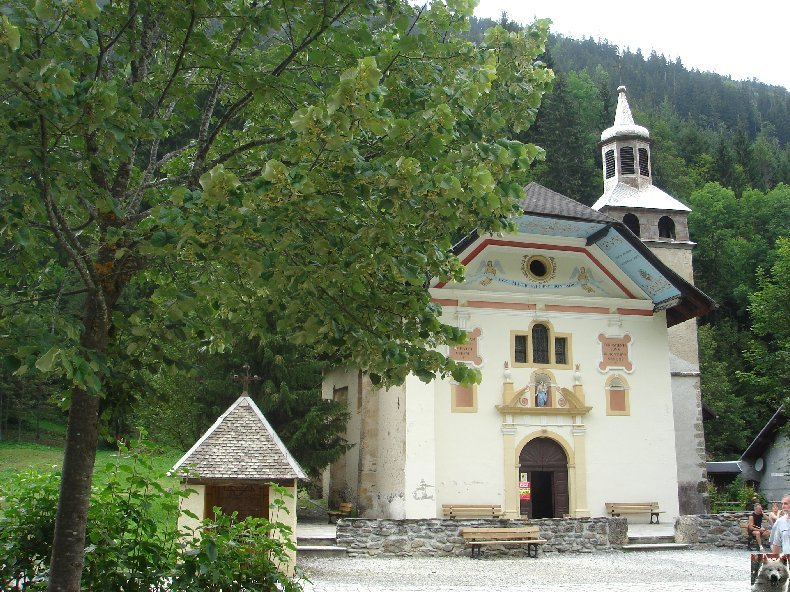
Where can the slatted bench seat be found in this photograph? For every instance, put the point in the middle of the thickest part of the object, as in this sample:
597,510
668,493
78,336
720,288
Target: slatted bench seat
617,508
471,511
520,535
343,510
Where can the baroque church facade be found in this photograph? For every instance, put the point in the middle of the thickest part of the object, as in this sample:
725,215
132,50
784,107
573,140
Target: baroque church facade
582,324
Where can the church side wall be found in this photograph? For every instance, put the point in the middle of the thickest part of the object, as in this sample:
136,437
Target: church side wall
388,499
420,469
341,481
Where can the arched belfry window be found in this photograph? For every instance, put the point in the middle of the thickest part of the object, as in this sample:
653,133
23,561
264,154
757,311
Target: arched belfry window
540,344
644,163
666,227
609,161
632,222
627,160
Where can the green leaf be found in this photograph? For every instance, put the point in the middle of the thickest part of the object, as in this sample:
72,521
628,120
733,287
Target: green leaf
44,363
211,550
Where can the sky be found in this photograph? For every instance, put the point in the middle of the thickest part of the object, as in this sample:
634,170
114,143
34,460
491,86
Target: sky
744,40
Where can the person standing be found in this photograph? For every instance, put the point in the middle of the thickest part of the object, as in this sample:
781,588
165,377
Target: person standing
780,533
755,525
774,514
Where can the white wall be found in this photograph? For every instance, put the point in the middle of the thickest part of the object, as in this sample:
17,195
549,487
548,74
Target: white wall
629,458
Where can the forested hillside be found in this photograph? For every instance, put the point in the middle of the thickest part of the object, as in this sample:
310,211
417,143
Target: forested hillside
721,147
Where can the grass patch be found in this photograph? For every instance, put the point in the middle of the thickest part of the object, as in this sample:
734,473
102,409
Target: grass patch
19,456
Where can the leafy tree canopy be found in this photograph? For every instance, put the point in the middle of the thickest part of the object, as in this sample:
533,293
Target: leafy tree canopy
222,160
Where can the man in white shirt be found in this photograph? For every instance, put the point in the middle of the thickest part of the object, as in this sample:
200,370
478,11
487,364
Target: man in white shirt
780,533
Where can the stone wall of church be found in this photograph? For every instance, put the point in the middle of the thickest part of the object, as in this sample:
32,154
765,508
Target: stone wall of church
408,538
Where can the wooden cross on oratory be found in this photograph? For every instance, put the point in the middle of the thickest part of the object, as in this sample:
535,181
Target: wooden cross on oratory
245,379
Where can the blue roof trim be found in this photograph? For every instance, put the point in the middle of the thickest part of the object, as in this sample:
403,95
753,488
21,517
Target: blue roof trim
637,268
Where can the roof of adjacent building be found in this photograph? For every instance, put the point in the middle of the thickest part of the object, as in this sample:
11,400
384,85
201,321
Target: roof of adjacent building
240,445
727,467
766,435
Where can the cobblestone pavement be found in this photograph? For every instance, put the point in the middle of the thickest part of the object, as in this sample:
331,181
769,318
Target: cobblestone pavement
664,571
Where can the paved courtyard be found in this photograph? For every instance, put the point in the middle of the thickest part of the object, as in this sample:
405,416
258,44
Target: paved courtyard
664,571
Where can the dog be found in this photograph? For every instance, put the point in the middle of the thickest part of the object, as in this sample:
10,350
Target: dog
773,576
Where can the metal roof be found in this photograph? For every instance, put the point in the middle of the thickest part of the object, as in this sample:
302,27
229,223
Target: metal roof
624,124
766,435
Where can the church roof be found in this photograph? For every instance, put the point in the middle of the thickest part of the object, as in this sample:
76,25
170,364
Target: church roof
541,200
624,124
623,195
546,212
240,445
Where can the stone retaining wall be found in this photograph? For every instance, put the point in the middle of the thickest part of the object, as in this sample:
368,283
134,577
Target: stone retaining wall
436,537
712,530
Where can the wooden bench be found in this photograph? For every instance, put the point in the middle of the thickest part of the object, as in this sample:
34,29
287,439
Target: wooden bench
471,511
343,510
520,535
615,509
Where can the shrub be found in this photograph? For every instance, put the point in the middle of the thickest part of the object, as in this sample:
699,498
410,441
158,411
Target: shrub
133,543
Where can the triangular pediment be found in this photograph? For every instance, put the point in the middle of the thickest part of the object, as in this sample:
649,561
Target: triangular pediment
522,265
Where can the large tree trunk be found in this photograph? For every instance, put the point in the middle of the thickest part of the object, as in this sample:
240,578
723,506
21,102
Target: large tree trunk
75,489
82,438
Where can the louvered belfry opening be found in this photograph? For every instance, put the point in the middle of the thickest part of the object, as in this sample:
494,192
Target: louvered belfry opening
644,162
609,160
627,160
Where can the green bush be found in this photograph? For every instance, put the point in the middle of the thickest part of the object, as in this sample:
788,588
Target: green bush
735,497
132,541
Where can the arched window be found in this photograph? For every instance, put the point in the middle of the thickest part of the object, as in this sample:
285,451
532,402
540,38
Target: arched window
666,227
609,160
632,222
644,163
540,344
627,160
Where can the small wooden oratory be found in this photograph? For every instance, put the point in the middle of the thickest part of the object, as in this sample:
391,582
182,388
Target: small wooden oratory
233,465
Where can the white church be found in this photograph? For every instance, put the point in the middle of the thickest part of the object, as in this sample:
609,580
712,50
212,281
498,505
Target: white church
583,325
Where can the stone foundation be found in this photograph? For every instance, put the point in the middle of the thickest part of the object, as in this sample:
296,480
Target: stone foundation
712,530
436,537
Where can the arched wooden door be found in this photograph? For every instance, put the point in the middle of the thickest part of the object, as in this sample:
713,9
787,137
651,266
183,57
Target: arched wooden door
544,464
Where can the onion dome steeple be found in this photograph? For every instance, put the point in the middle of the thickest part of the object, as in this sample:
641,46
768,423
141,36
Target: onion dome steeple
628,190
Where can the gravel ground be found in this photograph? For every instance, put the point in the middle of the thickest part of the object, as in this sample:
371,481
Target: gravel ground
664,571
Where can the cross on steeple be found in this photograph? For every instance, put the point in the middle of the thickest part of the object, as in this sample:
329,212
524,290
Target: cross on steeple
245,379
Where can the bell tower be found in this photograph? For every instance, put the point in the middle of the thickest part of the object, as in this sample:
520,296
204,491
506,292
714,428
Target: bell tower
661,222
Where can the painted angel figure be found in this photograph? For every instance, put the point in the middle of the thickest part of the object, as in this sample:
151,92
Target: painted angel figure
585,279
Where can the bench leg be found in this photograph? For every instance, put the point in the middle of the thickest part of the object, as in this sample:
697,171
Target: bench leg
651,518
476,551
532,550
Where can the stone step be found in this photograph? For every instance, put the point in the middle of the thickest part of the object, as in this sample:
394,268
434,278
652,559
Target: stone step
317,540
320,551
656,547
649,540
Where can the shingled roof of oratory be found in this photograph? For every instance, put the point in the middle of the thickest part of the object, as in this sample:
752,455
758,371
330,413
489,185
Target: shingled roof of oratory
240,445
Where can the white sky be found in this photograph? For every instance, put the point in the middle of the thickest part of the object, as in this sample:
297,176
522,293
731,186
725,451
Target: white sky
742,39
